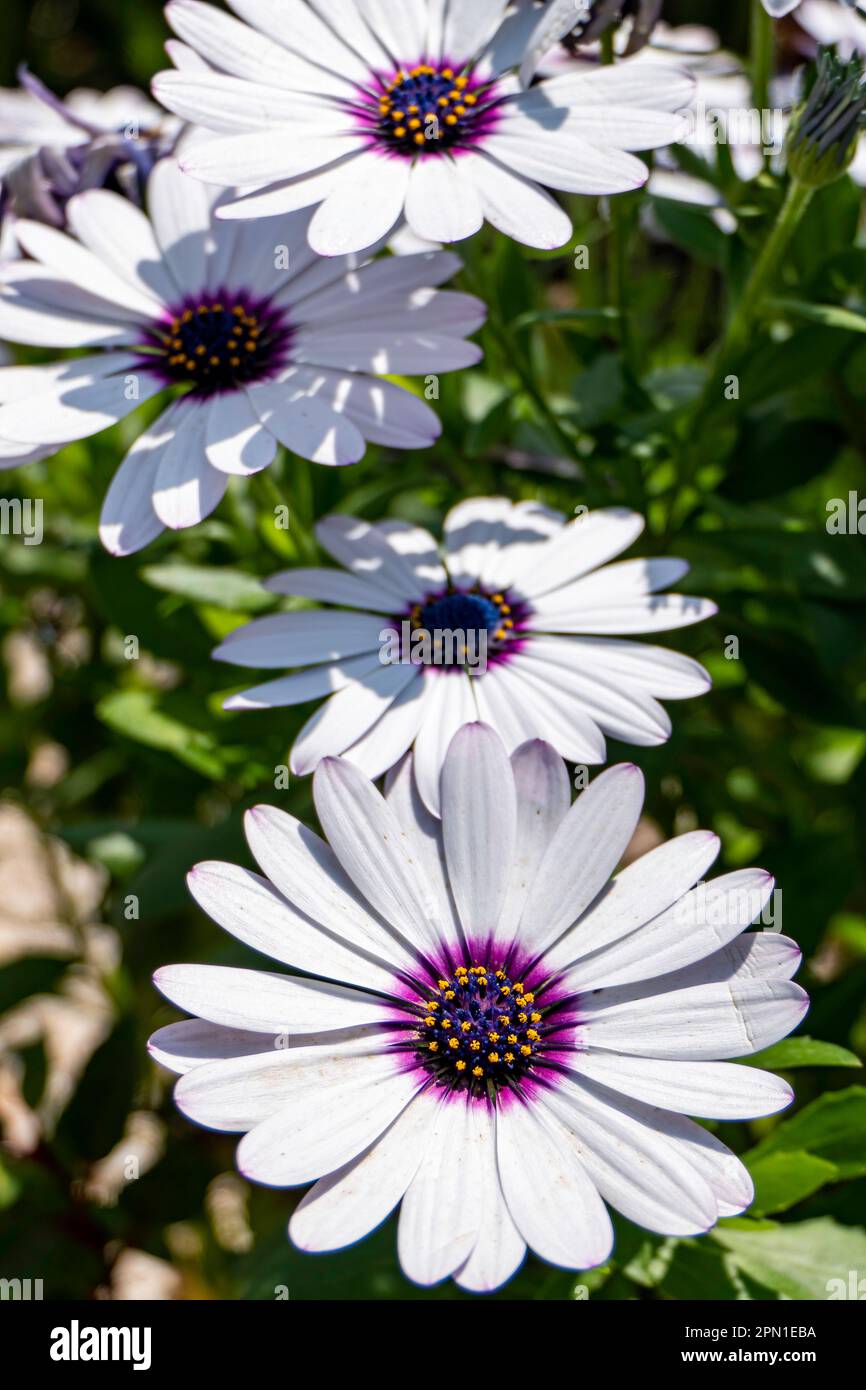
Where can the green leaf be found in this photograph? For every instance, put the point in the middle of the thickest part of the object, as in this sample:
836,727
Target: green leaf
830,315
224,588
784,1179
802,1052
832,1128
699,1270
800,1260
134,714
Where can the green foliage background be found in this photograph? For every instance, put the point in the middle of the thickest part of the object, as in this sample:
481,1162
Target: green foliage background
158,776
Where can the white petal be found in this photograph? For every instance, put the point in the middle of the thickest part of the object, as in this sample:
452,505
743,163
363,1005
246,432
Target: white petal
366,551
262,1002
187,488
500,1249
120,235
349,715
584,544
543,798
565,160
331,586
299,639
667,675
374,851
479,824
363,208
425,833
387,740
254,912
636,1170
640,893
194,1043
695,927
703,1023
308,427
656,613
308,874
582,855
440,1218
450,704
713,1090
550,667
180,211
311,684
353,1201
128,521
235,441
441,203
89,272
554,1203
76,409
333,1110
516,206
238,1093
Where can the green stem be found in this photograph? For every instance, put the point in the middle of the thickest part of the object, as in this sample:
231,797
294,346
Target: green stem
762,53
617,260
797,199
737,335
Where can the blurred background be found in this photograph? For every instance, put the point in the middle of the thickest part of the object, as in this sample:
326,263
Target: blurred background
119,773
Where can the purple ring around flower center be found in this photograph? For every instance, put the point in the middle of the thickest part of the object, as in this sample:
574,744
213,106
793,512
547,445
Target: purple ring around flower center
488,1023
218,342
427,109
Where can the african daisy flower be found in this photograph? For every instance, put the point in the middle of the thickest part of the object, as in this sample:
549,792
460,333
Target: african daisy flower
372,110
500,1036
257,341
542,616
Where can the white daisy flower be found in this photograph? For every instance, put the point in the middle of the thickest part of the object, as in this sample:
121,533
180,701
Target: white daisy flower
543,613
258,340
500,1036
779,8
52,148
372,110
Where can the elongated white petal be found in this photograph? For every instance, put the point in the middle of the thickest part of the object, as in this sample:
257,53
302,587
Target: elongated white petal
255,913
639,894
695,927
713,1090
582,854
450,704
194,1043
479,823
350,1203
300,639
705,1022
440,1218
364,206
633,1166
350,714
500,1248
329,1112
553,1201
543,799
308,874
262,1002
374,851
187,488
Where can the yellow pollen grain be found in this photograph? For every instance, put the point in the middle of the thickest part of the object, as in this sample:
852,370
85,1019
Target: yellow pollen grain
493,1037
475,1045
477,1071
461,1066
535,1018
433,1046
512,1038
509,1056
493,1057
526,1050
454,1043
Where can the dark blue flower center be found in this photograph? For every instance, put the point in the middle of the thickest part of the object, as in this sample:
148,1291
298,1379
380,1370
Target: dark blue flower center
218,344
430,109
480,1029
461,612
